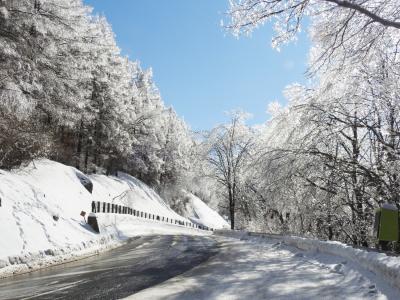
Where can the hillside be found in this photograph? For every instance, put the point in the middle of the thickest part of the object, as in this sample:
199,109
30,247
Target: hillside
200,213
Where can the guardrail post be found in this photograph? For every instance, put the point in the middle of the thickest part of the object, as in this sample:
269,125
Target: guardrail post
104,207
93,207
98,206
108,207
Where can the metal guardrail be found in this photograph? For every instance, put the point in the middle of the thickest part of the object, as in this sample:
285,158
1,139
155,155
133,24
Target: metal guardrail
106,207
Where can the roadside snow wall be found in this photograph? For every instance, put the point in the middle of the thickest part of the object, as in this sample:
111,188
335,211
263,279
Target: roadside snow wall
388,267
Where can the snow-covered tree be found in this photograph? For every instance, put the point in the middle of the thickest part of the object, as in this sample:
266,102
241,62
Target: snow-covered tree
229,150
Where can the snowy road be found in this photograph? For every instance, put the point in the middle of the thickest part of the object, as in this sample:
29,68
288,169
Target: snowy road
144,262
195,267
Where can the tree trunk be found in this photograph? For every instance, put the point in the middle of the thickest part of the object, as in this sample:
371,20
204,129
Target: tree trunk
79,147
232,208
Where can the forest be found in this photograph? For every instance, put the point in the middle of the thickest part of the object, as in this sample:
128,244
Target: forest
318,167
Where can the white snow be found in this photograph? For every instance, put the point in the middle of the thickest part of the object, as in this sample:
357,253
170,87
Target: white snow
30,197
387,267
199,213
4,13
264,268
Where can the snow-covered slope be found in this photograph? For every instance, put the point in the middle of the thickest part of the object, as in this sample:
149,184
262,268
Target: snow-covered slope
198,212
40,214
31,197
129,191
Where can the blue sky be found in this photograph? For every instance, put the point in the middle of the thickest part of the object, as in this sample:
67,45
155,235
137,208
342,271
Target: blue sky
200,69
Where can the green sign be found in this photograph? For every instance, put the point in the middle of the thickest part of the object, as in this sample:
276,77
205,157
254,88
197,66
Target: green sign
388,225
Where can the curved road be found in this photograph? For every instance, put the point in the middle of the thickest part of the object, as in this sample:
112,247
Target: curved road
142,263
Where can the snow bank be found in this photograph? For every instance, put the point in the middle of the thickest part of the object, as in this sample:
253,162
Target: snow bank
388,267
40,215
199,213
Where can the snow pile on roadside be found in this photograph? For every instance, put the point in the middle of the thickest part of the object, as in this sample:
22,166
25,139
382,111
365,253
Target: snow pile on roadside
380,263
199,213
40,215
388,267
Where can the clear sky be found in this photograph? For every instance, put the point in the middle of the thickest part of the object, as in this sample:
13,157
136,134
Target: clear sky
200,69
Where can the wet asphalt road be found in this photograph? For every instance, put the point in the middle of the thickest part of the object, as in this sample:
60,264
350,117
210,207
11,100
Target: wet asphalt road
142,263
